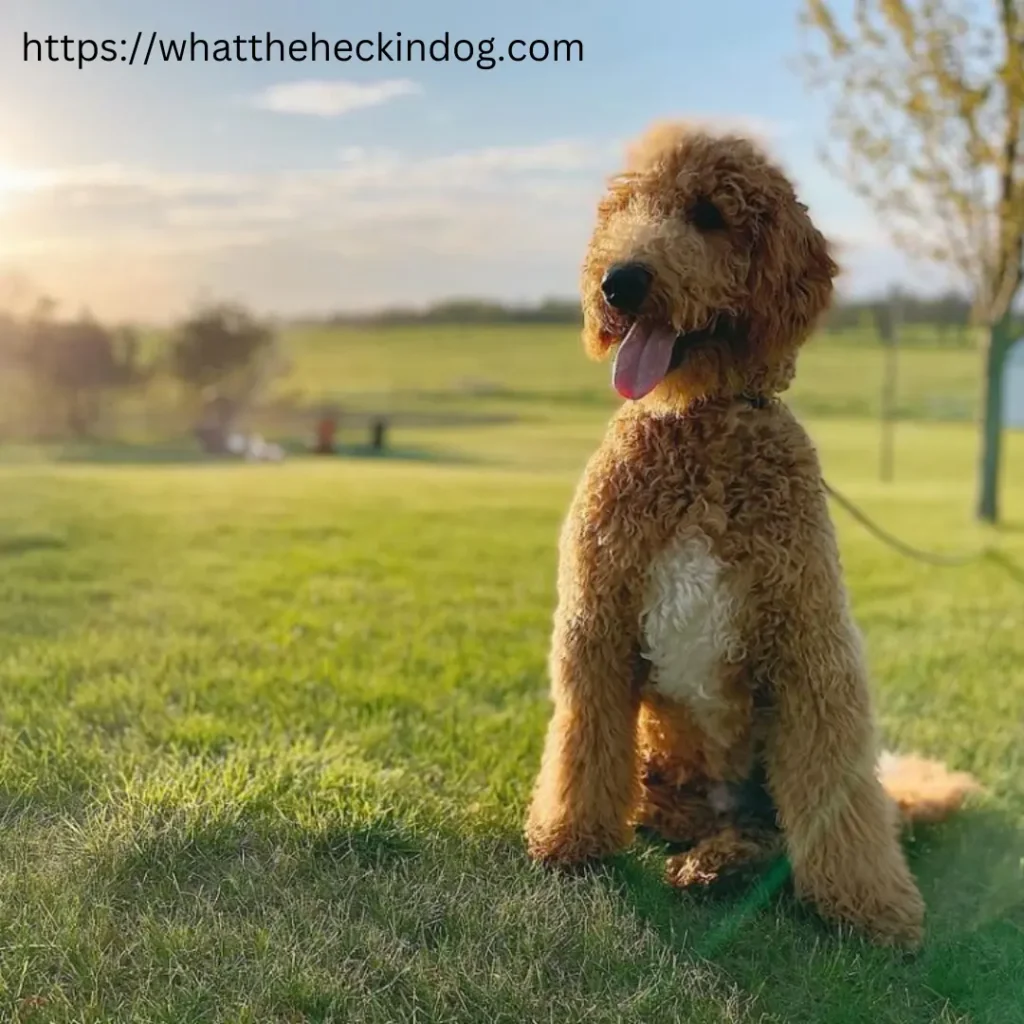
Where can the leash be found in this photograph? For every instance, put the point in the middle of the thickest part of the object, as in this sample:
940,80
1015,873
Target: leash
894,542
759,401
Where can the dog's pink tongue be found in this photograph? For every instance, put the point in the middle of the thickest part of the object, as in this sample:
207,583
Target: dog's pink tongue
643,359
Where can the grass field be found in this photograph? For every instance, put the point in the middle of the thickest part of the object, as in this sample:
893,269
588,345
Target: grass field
516,368
267,732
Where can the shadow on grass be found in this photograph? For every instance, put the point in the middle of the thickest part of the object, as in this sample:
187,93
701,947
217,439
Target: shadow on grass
969,873
401,454
190,858
29,543
184,454
130,454
378,920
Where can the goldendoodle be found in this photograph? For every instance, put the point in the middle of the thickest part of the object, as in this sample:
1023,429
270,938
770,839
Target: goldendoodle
707,675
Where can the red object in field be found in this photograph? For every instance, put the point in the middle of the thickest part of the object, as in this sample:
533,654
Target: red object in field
325,429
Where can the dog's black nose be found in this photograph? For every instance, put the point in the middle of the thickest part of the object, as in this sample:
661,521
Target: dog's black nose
626,285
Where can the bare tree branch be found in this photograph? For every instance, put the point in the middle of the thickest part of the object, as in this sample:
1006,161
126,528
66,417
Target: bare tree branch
927,104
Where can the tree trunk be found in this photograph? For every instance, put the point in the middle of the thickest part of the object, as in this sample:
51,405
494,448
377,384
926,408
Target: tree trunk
992,420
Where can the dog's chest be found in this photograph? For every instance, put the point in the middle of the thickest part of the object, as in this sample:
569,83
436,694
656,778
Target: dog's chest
688,627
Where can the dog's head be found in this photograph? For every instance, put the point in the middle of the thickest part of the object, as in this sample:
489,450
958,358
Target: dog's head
704,269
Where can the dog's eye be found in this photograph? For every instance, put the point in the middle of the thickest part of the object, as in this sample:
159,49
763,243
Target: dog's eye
705,216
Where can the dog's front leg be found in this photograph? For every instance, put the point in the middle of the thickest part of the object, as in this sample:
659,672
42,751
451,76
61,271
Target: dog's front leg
589,781
588,784
840,827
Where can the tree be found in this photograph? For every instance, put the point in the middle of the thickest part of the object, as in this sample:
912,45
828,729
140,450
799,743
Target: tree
927,101
74,364
223,355
216,345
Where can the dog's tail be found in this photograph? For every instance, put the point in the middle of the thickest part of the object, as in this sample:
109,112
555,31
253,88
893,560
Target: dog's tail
923,790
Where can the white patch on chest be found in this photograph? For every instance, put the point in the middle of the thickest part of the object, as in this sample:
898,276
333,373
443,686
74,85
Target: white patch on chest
688,627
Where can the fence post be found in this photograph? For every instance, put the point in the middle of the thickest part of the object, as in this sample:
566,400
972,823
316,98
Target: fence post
887,322
378,434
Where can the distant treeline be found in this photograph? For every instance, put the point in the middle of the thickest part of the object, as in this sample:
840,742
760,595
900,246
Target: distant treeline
61,376
946,313
466,311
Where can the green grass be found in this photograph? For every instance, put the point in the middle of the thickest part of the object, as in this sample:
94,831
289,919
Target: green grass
267,734
520,369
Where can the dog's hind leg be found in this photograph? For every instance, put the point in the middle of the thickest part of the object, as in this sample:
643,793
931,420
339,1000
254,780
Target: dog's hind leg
725,853
677,814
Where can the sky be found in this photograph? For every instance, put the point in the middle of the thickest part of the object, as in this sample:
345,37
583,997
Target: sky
301,188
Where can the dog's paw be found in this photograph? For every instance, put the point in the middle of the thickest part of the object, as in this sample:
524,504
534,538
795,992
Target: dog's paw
566,845
890,915
687,871
900,924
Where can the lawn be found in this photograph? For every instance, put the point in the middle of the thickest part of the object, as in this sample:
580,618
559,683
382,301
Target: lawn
267,732
517,368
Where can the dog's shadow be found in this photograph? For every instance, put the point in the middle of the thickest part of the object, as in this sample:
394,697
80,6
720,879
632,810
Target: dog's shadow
799,968
332,919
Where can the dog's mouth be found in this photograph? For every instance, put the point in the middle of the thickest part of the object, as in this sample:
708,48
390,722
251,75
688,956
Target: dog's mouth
649,352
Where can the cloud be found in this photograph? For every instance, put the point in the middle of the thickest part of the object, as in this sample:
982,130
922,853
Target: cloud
375,226
322,98
476,169
558,155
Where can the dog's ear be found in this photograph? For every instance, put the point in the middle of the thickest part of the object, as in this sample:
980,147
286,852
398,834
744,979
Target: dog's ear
791,278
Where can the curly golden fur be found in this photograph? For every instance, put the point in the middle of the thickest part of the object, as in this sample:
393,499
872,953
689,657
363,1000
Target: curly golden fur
707,675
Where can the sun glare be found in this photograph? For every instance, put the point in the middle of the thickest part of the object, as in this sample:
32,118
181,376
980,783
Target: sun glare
14,182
